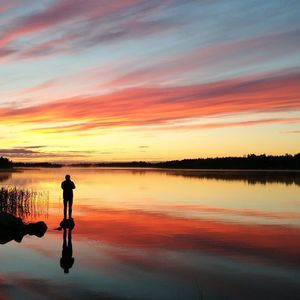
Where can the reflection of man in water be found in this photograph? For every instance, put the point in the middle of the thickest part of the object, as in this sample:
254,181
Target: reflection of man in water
68,187
67,259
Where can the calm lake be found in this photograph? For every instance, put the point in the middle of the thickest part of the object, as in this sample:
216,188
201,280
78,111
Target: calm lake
158,234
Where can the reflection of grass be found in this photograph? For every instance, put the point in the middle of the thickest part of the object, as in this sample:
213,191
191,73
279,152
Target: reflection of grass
24,203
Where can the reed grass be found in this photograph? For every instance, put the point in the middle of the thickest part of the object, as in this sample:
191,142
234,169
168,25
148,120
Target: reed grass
24,203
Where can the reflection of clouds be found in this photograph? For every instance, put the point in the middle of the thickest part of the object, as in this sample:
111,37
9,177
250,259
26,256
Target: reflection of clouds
208,274
5,176
244,216
39,288
151,255
217,257
140,253
121,271
146,230
128,177
249,176
36,176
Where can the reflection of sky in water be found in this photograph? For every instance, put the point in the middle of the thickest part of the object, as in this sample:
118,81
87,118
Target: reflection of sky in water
151,235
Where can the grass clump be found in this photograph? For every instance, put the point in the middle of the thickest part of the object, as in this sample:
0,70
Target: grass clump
23,203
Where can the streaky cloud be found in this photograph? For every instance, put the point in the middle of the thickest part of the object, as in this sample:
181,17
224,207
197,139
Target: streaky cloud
219,56
157,105
90,14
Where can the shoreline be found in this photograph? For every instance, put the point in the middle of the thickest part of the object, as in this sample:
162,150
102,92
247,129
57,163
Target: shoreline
159,169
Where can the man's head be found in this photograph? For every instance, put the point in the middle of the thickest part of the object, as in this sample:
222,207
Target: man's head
67,177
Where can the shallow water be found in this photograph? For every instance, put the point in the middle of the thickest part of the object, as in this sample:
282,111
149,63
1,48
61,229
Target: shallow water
151,234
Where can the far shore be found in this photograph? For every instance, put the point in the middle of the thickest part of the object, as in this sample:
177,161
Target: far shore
16,169
251,162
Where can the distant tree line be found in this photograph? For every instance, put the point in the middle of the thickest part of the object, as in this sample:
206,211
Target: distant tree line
37,165
287,177
251,161
5,163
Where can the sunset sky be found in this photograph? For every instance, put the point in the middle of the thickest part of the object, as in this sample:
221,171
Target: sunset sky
122,80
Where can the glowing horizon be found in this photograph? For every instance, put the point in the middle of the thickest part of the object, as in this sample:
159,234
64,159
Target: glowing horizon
148,80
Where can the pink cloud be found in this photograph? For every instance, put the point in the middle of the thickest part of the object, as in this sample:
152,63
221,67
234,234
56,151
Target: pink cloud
55,14
90,13
150,106
40,87
50,47
5,52
6,6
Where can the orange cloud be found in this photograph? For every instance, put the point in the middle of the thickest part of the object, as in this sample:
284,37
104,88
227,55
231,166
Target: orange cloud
145,106
148,106
229,124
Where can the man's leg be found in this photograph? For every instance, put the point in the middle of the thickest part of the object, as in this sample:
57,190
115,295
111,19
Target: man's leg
70,207
65,208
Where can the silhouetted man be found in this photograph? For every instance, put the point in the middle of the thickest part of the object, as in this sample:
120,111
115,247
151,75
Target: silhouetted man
68,186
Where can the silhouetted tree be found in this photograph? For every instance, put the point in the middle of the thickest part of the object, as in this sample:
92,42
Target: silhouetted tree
5,163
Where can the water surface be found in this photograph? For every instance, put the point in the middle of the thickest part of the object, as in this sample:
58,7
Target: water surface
155,234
